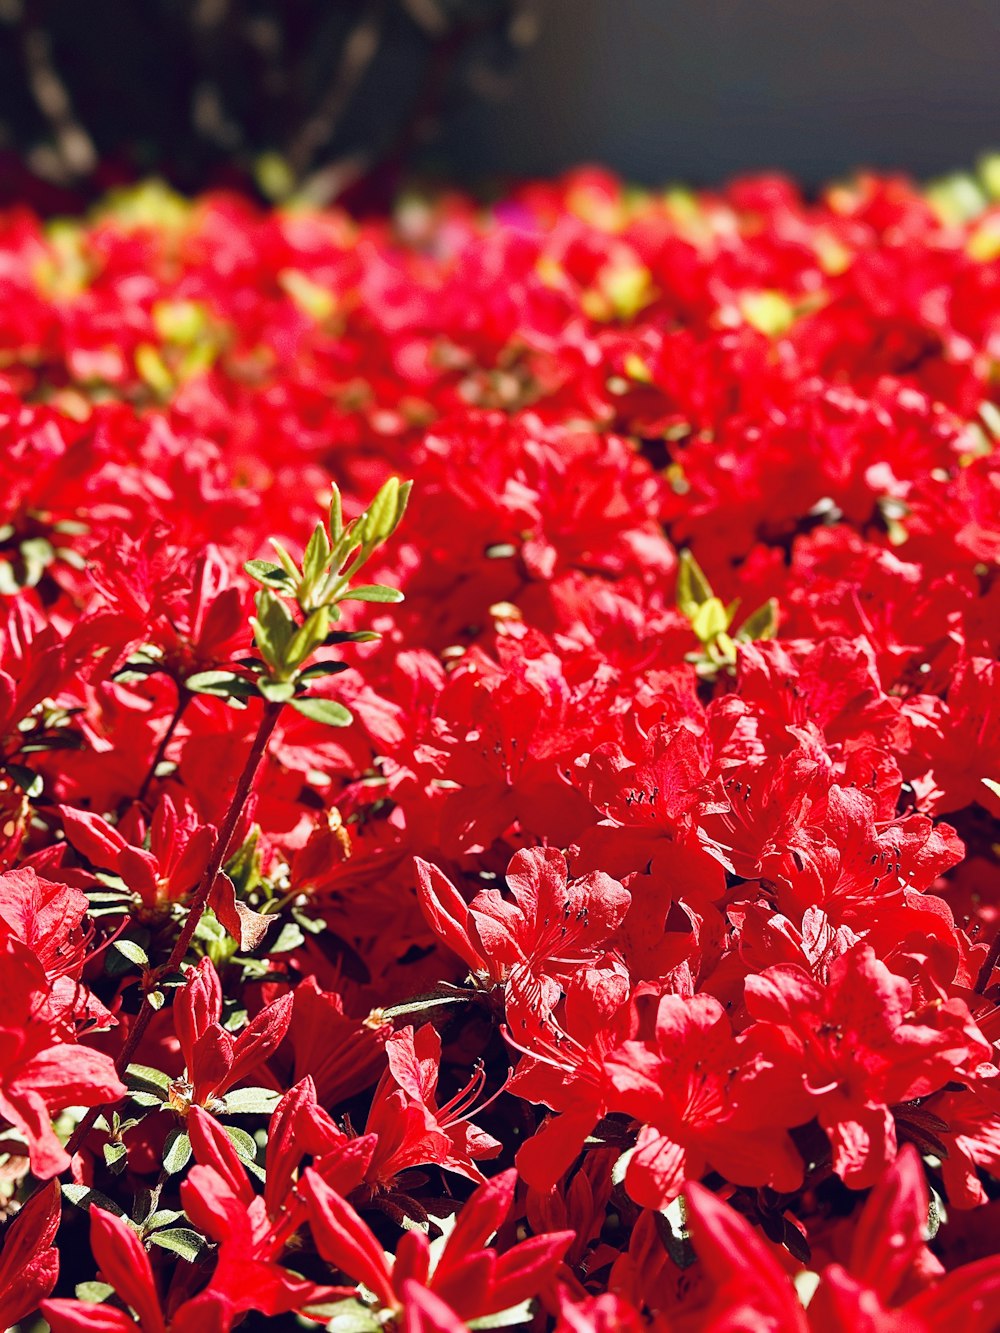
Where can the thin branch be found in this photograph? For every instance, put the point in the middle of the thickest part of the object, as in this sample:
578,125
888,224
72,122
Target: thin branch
183,700
77,155
195,912
356,57
211,23
989,963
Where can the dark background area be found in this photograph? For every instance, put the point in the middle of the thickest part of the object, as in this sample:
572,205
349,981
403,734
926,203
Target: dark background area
345,98
661,89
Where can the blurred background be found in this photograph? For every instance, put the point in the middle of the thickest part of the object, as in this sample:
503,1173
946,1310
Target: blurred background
345,98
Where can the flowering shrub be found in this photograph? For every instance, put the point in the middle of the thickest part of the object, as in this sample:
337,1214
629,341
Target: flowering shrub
603,936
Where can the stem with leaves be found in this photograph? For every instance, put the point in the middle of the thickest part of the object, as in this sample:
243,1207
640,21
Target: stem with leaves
296,607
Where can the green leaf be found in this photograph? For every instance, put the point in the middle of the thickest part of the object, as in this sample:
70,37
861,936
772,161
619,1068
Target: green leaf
288,938
143,1206
336,523
93,1292
693,589
317,553
224,684
37,554
320,669
153,371
147,1078
621,1166
273,628
372,592
129,675
327,711
69,527
769,312
180,1240
352,636
147,1099
435,1000
376,523
135,953
31,783
266,572
671,1226
83,1196
308,637
156,999
243,1142
382,517
71,557
210,929
312,925
276,691
519,1315
348,1316
176,1152
251,1101
402,500
287,563
53,740
709,620
113,1154
244,866
138,669
168,979
760,624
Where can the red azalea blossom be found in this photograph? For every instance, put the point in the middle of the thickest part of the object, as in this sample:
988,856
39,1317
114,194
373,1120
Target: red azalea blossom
214,1060
410,1127
882,1286
551,927
705,1099
565,894
860,1049
467,1276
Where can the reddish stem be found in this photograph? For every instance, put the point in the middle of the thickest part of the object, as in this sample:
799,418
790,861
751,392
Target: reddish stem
272,711
183,700
989,963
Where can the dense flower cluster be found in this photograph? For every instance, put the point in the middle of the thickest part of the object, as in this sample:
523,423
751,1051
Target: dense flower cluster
600,937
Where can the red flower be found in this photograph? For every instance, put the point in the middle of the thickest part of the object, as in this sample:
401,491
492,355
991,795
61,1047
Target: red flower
874,1291
42,1001
466,1275
341,1055
845,861
552,926
970,1130
607,1313
123,1261
161,864
411,1129
300,1127
735,941
29,1262
187,607
564,1061
855,1049
214,1059
706,1099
